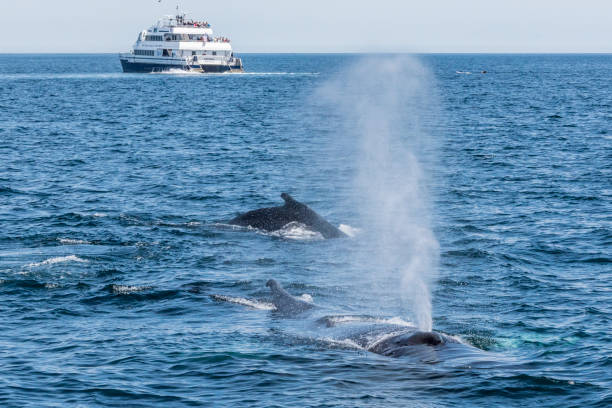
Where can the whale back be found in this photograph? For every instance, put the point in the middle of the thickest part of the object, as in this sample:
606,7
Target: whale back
275,218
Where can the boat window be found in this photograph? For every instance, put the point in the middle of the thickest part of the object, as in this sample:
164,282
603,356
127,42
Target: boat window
176,37
144,52
153,38
214,52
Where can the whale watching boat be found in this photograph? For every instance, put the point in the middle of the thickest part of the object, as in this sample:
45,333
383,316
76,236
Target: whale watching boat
176,42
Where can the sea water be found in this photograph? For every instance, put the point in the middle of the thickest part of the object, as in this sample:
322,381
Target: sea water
122,285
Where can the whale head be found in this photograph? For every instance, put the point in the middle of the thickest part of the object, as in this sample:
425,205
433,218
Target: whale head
426,338
401,344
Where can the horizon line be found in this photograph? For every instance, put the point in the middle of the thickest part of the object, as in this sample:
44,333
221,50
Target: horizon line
350,53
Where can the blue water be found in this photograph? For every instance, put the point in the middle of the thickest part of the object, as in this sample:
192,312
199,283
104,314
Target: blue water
114,190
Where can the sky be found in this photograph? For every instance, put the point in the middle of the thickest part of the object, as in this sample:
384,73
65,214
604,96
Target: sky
411,26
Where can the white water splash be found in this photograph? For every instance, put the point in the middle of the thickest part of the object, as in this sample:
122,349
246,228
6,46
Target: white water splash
70,241
306,298
296,231
293,231
382,102
59,259
176,71
127,289
255,304
396,321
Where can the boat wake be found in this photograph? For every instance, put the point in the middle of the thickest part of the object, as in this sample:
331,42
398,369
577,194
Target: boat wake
183,72
177,71
277,73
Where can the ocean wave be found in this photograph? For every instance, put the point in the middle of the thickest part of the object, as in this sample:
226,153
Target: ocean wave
23,284
58,259
189,224
70,241
131,293
11,191
468,253
127,289
109,75
255,304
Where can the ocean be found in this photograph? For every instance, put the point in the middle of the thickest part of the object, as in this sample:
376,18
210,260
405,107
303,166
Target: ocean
477,204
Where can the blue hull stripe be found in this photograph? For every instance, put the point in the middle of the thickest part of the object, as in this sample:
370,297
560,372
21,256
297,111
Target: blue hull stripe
153,67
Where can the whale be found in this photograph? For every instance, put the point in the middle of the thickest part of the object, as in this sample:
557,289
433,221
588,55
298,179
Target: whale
275,218
284,302
398,343
386,339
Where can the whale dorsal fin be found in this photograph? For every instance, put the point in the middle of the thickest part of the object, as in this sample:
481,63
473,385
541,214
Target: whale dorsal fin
288,199
284,302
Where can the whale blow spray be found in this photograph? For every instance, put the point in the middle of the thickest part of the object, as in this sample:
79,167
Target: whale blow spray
383,102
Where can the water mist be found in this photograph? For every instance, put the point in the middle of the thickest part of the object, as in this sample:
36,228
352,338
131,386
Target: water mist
382,103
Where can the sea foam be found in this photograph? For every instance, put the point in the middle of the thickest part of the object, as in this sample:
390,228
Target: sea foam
255,304
59,259
70,241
